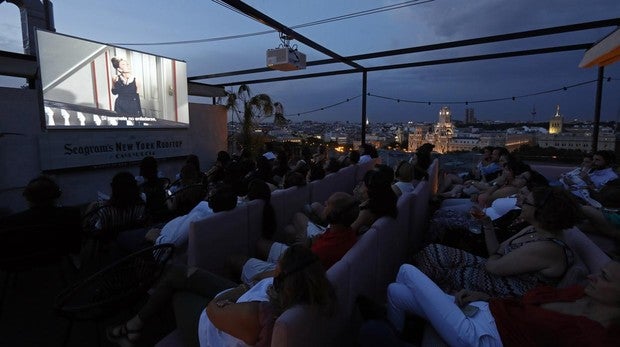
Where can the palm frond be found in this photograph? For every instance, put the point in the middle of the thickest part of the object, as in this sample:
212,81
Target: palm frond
244,89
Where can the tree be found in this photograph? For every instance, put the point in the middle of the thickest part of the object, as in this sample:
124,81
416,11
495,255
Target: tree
279,120
249,111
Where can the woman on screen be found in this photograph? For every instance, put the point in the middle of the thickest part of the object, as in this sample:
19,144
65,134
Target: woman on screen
125,85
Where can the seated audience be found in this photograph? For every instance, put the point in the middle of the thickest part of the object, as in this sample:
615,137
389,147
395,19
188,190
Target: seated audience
238,175
237,316
421,161
62,223
605,220
124,210
216,172
574,176
193,161
294,179
602,172
320,156
264,172
316,172
452,227
404,178
258,189
543,316
515,175
377,198
331,166
154,189
340,210
368,153
485,160
189,192
280,167
487,173
536,255
176,231
302,168
299,279
354,157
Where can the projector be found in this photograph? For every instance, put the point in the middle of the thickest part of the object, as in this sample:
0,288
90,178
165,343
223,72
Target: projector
285,59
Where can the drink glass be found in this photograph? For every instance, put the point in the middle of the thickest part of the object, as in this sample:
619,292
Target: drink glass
475,222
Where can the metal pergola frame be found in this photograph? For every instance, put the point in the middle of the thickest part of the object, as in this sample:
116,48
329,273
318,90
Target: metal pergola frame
352,61
25,65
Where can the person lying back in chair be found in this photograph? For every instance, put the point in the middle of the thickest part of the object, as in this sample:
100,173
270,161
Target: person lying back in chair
223,198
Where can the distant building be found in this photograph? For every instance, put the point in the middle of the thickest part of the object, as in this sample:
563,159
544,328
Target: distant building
447,138
418,136
575,138
400,135
470,118
556,122
579,139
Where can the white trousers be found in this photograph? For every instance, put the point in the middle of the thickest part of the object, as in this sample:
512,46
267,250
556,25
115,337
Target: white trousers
414,293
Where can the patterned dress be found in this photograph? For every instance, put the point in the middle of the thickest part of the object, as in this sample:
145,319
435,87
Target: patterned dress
454,269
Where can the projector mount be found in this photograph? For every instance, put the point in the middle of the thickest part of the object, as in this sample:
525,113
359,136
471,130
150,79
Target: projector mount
286,57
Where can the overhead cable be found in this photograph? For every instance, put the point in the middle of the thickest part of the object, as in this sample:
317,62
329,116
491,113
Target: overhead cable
258,33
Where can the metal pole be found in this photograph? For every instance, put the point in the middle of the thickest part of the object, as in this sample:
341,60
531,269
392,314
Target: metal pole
597,108
364,92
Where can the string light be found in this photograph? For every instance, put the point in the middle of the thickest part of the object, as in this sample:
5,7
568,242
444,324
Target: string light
398,100
513,98
322,108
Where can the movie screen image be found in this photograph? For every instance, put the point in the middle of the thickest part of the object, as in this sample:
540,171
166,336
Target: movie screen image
93,85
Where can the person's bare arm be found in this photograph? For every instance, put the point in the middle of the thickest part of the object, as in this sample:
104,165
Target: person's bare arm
364,218
233,294
466,296
237,319
532,257
490,238
263,275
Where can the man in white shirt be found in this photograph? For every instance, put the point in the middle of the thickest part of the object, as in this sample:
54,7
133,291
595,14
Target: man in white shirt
176,231
603,172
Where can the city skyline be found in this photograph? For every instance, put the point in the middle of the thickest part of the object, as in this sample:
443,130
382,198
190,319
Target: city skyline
414,24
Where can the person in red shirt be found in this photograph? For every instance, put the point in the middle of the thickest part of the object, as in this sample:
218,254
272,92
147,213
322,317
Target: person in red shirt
544,316
341,210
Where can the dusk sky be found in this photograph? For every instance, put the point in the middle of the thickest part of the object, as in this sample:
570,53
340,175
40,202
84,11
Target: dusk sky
425,22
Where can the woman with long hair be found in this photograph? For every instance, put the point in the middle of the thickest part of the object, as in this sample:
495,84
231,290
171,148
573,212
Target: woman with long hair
235,316
258,189
123,211
377,198
299,280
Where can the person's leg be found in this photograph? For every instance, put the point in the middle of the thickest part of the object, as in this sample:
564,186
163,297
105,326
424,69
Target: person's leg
276,251
446,266
448,181
290,234
415,293
253,267
379,333
263,247
234,265
597,223
454,192
175,278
